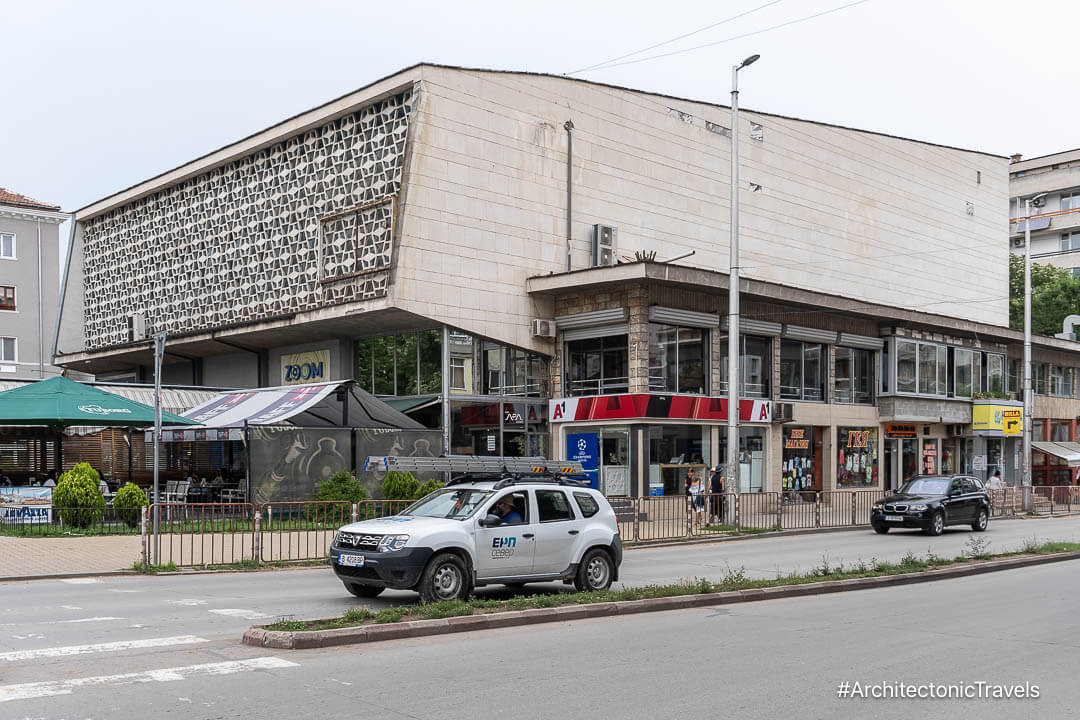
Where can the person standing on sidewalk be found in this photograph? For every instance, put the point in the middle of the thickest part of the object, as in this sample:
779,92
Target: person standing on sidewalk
716,494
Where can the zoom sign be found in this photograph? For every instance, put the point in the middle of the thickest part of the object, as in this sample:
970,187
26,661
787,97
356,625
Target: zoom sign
305,367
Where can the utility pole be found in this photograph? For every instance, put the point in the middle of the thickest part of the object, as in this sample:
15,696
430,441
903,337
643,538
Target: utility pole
159,351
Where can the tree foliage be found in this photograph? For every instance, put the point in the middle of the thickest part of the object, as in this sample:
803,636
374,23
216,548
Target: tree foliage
1055,294
341,486
78,498
129,502
400,486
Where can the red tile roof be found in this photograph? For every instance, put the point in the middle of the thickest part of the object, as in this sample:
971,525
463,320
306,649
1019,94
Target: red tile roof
10,198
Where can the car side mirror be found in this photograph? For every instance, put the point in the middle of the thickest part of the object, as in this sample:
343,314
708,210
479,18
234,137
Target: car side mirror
490,520
955,491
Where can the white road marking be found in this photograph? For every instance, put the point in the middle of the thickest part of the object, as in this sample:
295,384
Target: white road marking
71,607
124,591
189,603
29,691
27,637
22,655
241,613
80,581
82,620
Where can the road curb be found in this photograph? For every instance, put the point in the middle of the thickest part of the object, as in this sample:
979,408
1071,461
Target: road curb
307,639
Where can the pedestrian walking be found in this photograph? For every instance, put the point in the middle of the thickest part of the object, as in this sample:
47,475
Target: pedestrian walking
716,495
697,505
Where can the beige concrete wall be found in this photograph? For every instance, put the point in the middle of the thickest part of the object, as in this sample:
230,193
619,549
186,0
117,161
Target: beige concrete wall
840,211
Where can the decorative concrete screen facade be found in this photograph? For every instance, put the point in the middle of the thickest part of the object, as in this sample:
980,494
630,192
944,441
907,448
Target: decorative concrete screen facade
302,224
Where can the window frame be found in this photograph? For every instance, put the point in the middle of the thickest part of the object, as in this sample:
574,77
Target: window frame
14,349
822,375
616,385
569,506
1070,241
457,362
853,393
1072,199
14,247
13,306
663,383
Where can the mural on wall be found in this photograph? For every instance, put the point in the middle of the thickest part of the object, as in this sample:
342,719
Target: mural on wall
288,463
244,241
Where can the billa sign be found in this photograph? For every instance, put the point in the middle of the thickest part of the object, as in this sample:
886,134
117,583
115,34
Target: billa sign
997,419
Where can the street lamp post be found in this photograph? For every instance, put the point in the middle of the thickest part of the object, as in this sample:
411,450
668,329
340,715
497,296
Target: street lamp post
734,375
1029,394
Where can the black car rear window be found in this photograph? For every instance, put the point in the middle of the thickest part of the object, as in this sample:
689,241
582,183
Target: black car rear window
587,503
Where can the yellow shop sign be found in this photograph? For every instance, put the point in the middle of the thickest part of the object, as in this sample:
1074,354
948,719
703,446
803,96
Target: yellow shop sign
997,419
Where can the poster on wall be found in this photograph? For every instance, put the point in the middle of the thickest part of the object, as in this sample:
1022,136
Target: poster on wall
616,482
585,448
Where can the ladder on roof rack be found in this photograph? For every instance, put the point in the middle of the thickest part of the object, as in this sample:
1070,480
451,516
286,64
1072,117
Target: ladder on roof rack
492,465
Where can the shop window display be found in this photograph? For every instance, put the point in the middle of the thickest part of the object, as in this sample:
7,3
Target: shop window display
801,466
856,460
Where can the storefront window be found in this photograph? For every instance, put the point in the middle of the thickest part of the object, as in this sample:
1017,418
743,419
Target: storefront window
612,463
751,459
801,464
909,459
802,372
677,359
675,451
491,428
930,457
856,459
756,366
598,366
854,373
404,364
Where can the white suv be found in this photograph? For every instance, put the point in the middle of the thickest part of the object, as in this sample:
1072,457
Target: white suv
514,529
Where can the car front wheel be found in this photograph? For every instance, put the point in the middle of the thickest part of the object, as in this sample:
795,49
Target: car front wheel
981,521
595,571
937,524
444,578
881,529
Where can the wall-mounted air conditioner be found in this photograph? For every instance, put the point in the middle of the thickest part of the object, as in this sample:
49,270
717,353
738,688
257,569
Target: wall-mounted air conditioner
604,243
543,328
1018,242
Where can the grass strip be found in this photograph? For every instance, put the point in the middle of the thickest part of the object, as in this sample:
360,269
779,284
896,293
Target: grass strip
733,579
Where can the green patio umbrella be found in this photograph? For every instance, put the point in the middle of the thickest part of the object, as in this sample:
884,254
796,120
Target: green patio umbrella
59,403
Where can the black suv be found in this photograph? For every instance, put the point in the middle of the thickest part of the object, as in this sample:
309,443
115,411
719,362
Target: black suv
931,502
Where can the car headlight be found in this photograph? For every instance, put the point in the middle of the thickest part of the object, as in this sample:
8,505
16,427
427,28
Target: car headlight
389,543
917,508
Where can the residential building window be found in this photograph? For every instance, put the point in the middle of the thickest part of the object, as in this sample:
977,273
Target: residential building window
1015,379
906,366
854,373
7,246
1070,240
1060,381
755,355
1070,201
1039,376
7,350
1075,272
802,371
962,373
1059,431
457,373
677,359
993,368
924,368
598,366
7,297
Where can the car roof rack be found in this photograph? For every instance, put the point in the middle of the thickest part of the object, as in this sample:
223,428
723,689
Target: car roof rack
502,470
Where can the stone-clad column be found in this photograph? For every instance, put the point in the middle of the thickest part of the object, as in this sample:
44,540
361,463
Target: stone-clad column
637,300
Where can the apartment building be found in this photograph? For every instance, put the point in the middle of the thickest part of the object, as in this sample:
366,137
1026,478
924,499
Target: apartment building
489,252
29,285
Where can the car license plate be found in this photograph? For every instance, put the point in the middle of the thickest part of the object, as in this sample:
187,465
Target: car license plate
351,560
888,518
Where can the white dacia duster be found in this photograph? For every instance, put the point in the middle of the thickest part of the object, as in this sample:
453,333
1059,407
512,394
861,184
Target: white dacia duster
506,521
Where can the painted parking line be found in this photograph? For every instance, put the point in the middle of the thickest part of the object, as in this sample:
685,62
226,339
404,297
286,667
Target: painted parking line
22,655
241,613
29,691
80,581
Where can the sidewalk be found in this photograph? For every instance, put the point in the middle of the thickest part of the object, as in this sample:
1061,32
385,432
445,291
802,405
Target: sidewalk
37,557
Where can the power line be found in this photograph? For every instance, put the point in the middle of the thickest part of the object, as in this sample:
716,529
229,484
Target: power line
734,37
674,39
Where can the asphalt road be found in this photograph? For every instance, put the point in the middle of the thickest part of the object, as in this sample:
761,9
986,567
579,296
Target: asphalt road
773,659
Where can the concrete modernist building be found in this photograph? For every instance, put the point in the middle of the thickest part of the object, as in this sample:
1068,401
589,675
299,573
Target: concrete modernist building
29,285
1054,181
486,249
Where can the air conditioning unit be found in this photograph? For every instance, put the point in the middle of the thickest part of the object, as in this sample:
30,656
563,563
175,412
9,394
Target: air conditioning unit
1018,242
543,328
783,412
604,237
136,327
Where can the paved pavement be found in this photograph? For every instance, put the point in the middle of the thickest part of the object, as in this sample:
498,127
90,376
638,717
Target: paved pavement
771,659
761,556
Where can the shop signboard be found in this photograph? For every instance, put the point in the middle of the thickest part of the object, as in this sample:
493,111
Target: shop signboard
997,419
646,405
585,448
901,430
305,367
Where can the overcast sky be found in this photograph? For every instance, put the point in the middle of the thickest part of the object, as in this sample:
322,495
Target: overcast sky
98,96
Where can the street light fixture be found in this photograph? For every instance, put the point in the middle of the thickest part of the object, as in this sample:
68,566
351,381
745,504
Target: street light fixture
734,375
1029,395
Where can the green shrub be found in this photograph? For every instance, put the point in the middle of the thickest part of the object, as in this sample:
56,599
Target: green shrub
129,502
400,486
78,498
429,487
339,487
